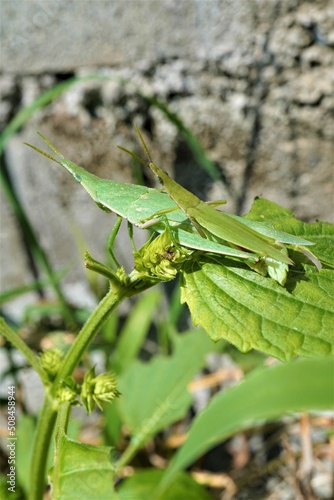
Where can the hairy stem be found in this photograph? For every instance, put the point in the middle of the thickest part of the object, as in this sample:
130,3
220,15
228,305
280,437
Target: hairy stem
48,414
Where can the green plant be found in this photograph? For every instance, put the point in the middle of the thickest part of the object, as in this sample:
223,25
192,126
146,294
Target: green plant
304,329
282,316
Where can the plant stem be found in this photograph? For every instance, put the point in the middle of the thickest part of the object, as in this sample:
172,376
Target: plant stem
44,430
60,431
21,346
128,454
88,332
43,436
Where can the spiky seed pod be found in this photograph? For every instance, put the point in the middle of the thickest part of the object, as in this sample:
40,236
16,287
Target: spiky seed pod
50,361
98,389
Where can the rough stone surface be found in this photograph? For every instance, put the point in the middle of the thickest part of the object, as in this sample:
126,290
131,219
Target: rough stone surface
114,32
252,80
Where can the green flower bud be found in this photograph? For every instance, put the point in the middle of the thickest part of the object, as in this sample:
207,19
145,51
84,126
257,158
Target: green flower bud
160,258
50,361
96,389
68,391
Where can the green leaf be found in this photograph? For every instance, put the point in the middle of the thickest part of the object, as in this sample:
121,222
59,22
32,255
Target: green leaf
263,395
84,472
154,394
142,486
126,350
282,219
253,312
113,423
268,211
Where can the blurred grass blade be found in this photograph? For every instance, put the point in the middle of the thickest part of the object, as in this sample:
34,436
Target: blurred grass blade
40,102
13,293
158,389
264,395
135,331
26,426
141,486
189,137
21,346
38,257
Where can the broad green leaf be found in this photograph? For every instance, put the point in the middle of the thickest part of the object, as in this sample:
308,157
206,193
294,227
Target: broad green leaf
267,211
155,394
282,219
263,395
142,486
84,472
254,312
25,436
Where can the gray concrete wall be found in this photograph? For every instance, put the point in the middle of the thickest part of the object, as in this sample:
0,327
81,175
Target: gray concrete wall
57,35
253,80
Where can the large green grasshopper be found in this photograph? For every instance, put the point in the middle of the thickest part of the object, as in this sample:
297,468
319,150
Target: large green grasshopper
215,225
195,224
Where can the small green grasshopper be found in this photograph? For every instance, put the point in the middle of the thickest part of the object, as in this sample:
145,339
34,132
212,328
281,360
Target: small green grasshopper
195,224
210,223
139,204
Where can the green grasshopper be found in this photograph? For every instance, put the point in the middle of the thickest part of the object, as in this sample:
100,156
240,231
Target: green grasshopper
138,204
212,223
195,224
